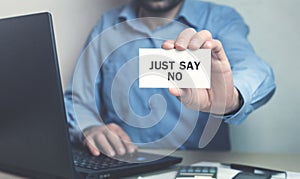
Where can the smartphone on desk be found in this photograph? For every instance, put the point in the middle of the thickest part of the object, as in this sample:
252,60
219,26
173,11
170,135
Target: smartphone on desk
197,172
247,175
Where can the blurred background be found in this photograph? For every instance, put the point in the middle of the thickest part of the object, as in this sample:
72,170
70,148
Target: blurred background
274,33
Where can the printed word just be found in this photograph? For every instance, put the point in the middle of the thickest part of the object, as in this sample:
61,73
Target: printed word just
169,65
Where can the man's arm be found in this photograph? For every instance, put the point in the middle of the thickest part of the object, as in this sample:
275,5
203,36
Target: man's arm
241,81
252,76
84,119
83,104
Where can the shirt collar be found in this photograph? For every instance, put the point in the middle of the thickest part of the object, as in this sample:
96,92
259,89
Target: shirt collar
128,12
192,11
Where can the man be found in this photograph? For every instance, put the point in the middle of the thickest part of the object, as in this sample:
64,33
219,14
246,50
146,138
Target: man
116,116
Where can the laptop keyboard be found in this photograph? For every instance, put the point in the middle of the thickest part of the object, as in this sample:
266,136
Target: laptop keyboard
85,160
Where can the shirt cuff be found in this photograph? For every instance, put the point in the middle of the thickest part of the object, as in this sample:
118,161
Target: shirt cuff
86,121
245,109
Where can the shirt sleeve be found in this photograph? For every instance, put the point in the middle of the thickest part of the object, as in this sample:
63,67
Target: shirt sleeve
253,77
81,97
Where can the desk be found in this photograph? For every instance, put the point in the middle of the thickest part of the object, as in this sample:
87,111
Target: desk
289,162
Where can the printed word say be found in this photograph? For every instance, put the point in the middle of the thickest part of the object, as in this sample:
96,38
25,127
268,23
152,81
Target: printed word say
161,68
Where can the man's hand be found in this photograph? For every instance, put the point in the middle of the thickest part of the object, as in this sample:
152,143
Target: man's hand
222,94
109,139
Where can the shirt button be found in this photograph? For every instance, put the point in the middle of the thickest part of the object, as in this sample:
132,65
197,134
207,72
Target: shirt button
248,111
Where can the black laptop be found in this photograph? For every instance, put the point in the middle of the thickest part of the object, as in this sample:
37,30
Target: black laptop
34,138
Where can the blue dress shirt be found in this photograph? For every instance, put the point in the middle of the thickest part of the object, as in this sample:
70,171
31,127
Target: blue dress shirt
105,89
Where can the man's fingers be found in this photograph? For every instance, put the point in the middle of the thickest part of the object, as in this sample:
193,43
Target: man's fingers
109,139
91,145
125,139
180,93
199,39
130,147
168,45
116,142
175,91
188,39
217,49
184,38
105,145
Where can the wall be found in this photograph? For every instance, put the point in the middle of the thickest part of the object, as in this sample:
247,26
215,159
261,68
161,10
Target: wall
274,33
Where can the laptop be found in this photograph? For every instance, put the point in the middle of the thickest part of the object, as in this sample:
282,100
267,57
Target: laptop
34,137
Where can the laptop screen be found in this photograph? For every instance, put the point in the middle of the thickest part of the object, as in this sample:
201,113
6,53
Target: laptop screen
31,99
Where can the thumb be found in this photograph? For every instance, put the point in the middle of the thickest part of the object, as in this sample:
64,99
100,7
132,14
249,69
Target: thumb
176,91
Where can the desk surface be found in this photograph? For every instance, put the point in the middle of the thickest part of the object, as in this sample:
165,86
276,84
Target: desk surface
289,162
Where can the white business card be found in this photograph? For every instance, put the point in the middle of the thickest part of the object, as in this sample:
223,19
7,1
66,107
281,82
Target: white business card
159,68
